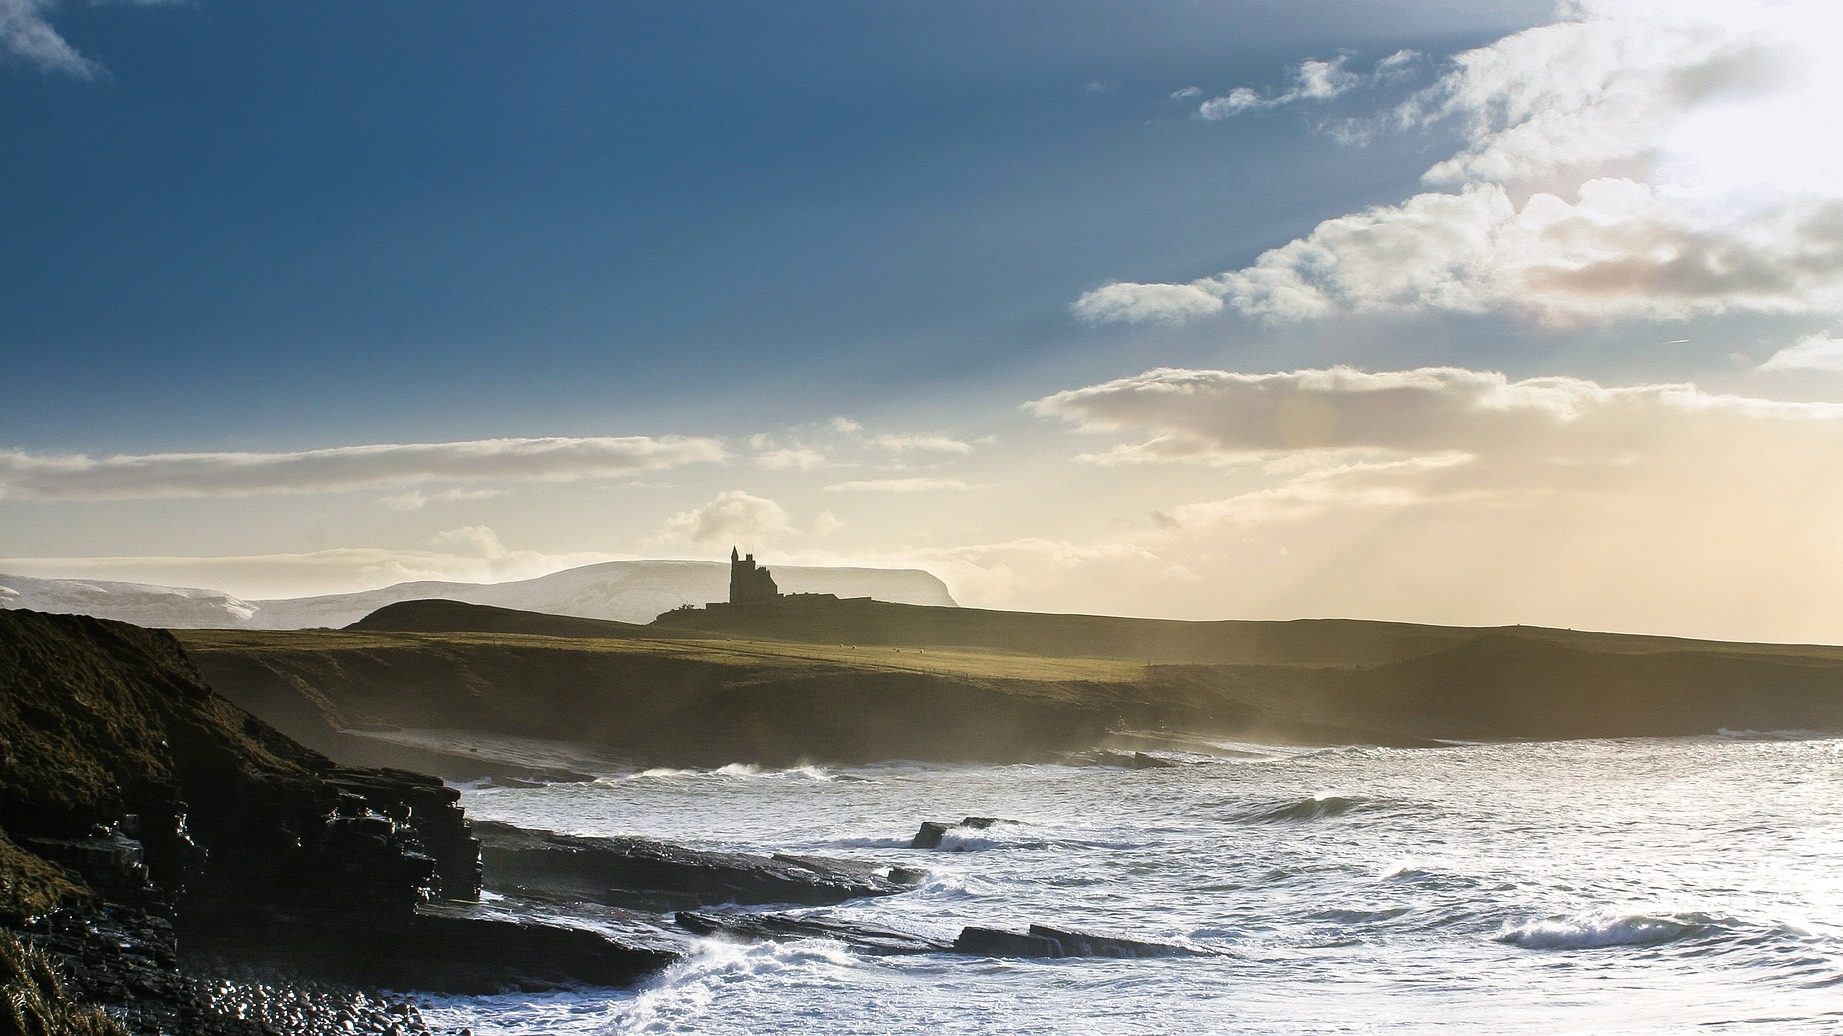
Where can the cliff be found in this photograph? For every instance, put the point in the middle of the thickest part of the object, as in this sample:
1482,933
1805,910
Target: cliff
146,821
1157,641
705,695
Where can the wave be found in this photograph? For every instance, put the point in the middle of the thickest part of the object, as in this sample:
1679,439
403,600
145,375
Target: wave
1603,928
742,771
866,842
1774,735
1321,806
675,1000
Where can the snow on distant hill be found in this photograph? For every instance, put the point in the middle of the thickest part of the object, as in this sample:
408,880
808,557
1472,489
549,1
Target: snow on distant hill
143,604
627,591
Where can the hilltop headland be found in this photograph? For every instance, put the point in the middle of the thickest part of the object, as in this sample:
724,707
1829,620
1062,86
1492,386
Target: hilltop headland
860,681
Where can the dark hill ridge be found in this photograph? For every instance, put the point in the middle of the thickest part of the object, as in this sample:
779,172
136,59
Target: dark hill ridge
1166,641
440,616
711,698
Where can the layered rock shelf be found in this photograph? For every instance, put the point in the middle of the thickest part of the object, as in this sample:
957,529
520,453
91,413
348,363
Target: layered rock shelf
640,873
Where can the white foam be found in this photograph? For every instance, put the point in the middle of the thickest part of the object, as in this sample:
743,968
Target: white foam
739,771
1602,928
674,1001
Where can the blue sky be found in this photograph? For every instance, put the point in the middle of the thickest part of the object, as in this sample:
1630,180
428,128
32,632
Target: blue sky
679,240
296,226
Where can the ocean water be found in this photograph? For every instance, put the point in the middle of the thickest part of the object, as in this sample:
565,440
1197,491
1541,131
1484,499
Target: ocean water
1655,885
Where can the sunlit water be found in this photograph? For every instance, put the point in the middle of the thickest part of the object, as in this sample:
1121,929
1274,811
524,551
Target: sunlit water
1599,886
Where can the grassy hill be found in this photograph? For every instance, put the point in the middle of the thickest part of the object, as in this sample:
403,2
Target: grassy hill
1234,641
702,688
673,699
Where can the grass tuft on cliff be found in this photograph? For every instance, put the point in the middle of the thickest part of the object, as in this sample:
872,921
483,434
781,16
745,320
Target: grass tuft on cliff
29,886
34,1002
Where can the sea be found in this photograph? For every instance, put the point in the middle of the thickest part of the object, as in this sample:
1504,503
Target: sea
1614,886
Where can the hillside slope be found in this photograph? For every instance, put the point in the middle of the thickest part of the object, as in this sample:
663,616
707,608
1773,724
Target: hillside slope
669,700
1234,641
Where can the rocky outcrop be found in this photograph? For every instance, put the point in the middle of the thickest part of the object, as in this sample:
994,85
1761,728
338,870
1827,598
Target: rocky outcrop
775,927
640,873
1123,760
142,810
932,832
1046,941
1037,941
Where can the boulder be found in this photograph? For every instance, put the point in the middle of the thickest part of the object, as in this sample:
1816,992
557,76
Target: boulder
932,831
996,942
1127,760
641,873
774,927
1046,941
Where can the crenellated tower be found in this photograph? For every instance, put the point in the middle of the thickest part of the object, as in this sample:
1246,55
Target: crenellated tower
748,583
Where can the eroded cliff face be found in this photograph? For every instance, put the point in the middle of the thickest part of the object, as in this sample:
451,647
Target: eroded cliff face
145,821
115,747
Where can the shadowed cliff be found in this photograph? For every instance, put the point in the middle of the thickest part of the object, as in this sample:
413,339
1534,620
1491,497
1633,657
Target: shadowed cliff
711,699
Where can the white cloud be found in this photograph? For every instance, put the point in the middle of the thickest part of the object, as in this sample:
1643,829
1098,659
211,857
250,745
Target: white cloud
1398,63
1818,352
734,515
1206,414
1612,84
921,444
472,540
119,477
899,485
845,426
1313,80
1186,93
1620,249
26,34
416,499
1140,303
791,458
1631,160
1234,102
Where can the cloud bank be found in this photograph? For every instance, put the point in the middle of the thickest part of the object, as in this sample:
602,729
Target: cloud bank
731,516
1629,161
337,469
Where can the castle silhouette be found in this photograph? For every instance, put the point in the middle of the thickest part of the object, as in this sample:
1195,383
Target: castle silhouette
752,584
749,584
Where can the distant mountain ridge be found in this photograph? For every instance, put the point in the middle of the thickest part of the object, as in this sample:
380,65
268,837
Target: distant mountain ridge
620,591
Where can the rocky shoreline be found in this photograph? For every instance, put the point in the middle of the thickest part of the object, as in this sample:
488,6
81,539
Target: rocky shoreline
179,864
190,870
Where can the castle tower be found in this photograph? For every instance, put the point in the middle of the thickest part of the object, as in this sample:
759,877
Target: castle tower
749,584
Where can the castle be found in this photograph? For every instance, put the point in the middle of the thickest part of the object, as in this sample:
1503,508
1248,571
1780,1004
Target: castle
749,584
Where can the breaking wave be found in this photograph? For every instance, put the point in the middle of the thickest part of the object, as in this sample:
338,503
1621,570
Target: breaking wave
1603,928
687,990
1321,806
743,771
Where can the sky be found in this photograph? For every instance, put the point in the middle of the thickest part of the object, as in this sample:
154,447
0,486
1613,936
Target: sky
1465,311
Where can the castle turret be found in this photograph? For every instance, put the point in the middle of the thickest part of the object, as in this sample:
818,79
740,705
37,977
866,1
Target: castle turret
749,584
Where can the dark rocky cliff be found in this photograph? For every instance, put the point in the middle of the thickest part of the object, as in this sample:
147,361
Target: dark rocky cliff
145,820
